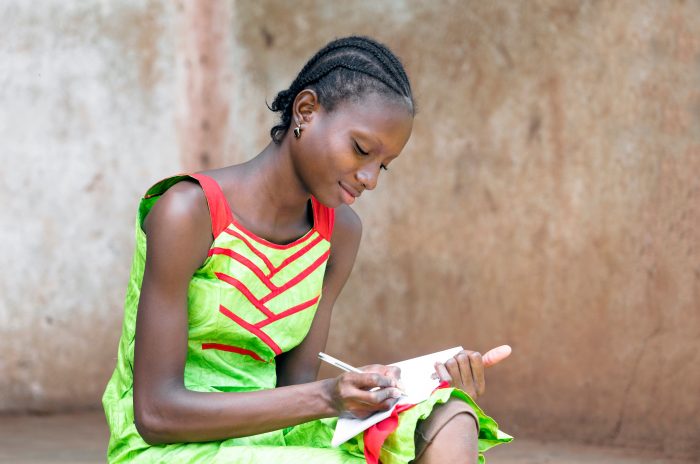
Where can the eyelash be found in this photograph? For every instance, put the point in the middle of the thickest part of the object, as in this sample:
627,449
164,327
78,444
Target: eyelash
364,153
360,150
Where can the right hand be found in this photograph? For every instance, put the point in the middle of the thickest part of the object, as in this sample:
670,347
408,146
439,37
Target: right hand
350,391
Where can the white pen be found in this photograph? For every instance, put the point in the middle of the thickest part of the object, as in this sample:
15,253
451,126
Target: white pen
338,363
347,367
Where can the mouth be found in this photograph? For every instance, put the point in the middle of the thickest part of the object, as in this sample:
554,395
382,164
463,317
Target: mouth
349,194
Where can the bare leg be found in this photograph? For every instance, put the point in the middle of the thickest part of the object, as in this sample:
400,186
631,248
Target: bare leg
450,434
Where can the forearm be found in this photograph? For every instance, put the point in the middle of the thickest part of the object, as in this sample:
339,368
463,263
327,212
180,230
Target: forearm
187,416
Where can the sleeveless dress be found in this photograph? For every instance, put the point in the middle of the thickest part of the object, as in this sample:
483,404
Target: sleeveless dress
248,302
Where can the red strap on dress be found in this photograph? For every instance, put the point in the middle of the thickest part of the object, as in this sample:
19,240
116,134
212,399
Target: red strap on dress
324,218
375,436
219,210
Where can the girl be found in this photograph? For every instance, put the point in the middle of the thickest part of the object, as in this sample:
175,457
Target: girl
224,315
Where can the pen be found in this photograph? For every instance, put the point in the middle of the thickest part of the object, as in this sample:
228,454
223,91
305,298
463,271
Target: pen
347,367
338,363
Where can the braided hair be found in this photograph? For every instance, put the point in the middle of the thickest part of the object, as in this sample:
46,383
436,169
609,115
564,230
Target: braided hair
347,68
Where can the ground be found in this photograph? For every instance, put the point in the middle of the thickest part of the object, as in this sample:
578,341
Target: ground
82,438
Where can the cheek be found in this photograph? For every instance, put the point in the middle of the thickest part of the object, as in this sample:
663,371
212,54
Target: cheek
331,154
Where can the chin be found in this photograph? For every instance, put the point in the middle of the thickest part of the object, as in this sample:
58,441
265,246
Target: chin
331,204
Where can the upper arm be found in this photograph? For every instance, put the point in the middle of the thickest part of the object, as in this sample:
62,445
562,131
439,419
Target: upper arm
178,235
301,364
345,242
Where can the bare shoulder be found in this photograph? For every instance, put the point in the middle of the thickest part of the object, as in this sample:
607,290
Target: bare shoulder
345,241
348,226
182,205
178,229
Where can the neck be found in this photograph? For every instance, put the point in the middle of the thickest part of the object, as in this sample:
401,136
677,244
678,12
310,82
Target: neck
272,175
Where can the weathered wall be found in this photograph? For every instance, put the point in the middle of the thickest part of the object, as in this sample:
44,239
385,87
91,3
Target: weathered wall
87,106
548,198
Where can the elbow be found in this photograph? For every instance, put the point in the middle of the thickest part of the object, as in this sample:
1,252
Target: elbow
152,424
151,427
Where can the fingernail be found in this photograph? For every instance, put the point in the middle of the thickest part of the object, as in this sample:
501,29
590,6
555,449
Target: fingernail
396,393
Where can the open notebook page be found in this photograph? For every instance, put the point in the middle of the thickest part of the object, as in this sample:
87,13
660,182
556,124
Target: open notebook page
416,375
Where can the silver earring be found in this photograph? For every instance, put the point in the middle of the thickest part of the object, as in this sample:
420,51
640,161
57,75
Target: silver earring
297,131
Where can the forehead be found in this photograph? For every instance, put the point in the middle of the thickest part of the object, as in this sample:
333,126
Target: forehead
375,119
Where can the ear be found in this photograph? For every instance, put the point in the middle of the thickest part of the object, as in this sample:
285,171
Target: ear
305,106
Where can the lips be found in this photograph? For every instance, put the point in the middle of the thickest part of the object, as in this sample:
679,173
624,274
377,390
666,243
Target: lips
350,190
349,194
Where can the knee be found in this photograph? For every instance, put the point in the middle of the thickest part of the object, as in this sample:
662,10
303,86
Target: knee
454,428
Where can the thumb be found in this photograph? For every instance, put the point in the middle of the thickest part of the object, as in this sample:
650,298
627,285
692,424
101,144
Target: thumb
496,355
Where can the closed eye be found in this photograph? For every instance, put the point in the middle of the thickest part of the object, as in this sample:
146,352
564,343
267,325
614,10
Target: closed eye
360,150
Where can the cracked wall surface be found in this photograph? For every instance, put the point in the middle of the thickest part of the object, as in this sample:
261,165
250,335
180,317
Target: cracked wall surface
549,196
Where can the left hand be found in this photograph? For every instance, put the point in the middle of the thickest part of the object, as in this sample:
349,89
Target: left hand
466,369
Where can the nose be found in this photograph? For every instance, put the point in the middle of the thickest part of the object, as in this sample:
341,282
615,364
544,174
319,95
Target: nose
368,175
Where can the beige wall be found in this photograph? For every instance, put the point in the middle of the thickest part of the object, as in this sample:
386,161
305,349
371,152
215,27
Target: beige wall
549,197
87,98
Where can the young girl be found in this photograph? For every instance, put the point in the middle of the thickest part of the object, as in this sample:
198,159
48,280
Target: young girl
233,281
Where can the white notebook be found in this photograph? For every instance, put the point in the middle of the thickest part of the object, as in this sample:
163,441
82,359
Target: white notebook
416,376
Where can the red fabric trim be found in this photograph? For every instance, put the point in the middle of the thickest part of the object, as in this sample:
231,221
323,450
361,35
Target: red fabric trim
257,252
324,218
298,278
232,349
375,436
251,328
244,290
296,255
271,244
246,262
219,209
288,312
273,269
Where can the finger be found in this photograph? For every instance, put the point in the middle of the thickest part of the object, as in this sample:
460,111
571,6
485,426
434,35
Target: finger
462,373
442,373
465,370
388,403
362,415
496,355
371,380
477,364
378,368
393,371
364,405
375,399
457,381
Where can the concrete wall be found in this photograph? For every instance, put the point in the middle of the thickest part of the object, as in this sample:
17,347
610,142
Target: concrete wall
87,104
549,197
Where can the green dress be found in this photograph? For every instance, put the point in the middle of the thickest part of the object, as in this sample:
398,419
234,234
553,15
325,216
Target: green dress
248,302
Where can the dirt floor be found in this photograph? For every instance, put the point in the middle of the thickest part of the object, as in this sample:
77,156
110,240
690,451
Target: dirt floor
82,438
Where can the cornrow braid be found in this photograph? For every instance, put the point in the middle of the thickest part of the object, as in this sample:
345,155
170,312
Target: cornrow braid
345,69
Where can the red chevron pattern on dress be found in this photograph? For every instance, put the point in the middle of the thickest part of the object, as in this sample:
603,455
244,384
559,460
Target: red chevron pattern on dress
251,328
246,262
257,252
276,246
247,293
274,289
298,278
232,349
272,269
288,312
